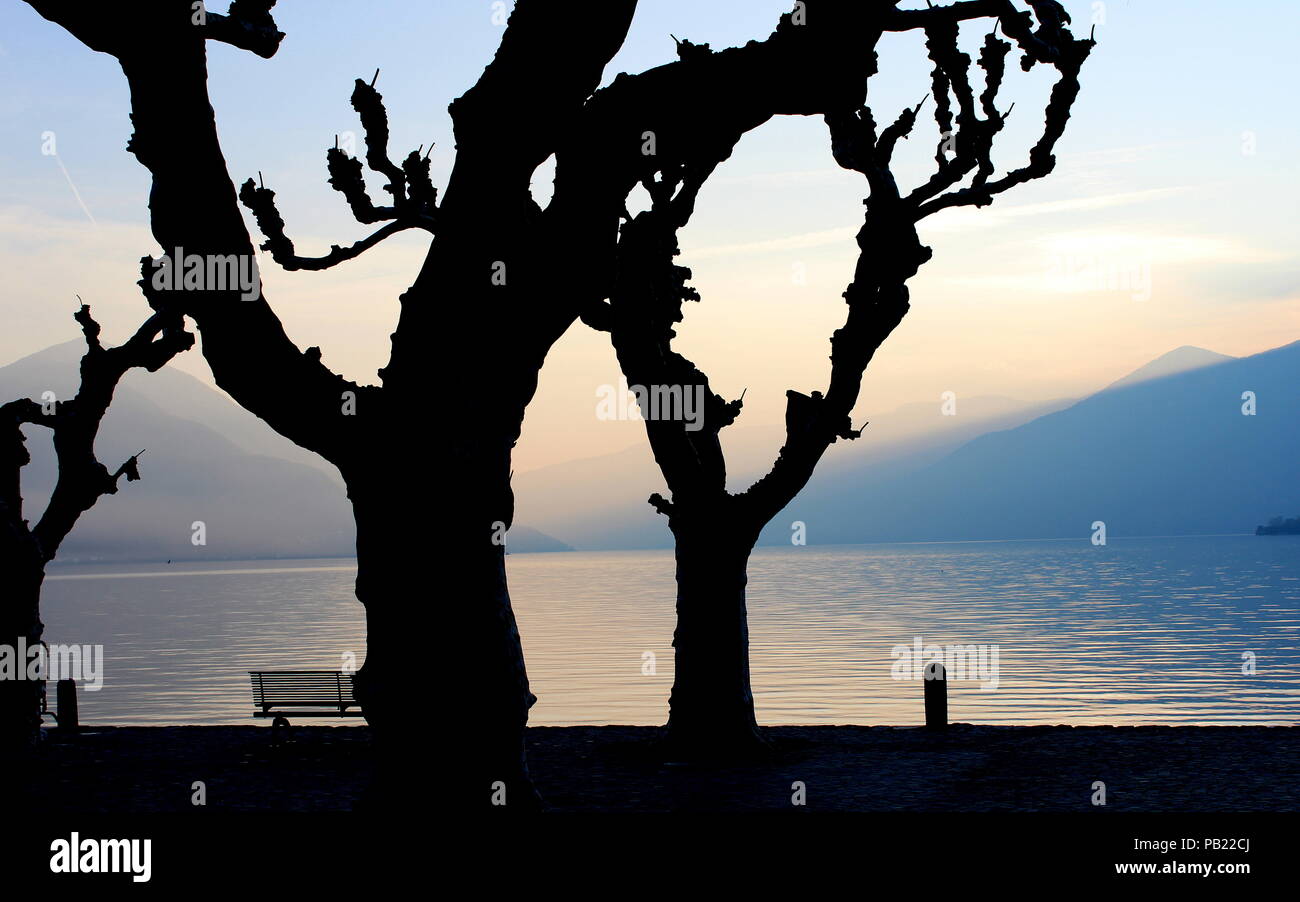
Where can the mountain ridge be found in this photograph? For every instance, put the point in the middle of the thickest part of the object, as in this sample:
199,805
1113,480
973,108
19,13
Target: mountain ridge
981,474
1166,456
257,495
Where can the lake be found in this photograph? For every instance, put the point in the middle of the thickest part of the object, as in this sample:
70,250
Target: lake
1141,630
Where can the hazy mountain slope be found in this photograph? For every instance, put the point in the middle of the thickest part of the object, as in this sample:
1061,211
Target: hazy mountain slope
1163,450
250,505
277,501
176,392
1179,360
523,539
1169,455
600,502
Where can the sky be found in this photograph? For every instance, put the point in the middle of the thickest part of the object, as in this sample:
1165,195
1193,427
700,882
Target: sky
1170,221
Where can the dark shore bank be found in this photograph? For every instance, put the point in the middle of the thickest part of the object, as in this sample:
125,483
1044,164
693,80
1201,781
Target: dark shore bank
615,768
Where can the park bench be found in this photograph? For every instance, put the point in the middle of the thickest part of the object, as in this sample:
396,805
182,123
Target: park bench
281,694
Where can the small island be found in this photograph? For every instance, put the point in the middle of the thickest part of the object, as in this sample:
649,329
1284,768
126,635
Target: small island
1280,527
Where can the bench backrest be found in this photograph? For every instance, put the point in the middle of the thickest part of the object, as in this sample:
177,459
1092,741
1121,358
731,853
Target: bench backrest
306,688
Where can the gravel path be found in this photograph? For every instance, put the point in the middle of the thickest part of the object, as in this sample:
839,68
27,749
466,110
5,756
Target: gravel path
843,768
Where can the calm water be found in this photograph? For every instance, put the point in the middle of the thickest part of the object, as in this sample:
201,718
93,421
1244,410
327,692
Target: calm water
1139,631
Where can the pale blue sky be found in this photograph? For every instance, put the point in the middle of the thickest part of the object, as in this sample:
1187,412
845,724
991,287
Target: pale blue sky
1158,229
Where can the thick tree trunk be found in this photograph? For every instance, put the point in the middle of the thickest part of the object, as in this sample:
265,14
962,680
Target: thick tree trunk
711,710
20,625
444,684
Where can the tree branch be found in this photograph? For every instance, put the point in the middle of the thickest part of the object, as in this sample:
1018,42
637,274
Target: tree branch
193,205
694,112
247,25
892,253
261,201
82,479
509,269
414,197
1051,44
644,306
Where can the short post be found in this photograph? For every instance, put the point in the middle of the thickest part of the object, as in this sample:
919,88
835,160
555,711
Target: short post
67,715
936,697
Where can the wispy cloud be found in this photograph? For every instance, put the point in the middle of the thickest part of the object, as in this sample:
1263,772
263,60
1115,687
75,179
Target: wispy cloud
1100,260
957,219
1157,248
962,218
1113,156
776,245
794,178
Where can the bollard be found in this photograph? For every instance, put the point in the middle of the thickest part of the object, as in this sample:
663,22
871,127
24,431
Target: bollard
936,697
67,716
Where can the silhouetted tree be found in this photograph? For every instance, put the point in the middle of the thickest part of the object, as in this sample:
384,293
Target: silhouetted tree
82,480
426,455
502,281
712,707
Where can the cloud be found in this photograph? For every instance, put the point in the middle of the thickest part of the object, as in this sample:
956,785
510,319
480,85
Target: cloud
1113,260
793,178
954,220
1156,248
790,243
963,218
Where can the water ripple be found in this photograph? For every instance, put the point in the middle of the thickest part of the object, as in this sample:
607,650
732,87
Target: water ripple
1138,631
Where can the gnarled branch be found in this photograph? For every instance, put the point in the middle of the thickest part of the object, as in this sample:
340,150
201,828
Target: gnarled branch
414,196
878,297
82,479
247,25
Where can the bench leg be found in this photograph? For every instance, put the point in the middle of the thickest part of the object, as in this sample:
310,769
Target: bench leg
279,726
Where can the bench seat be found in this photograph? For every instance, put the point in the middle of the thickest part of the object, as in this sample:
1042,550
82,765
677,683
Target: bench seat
282,694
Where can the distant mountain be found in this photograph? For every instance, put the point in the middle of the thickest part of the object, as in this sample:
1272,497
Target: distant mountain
207,459
525,539
1164,450
600,502
1179,360
1158,455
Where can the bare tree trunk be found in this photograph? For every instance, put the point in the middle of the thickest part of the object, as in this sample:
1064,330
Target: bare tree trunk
444,684
505,278
20,626
473,333
712,704
711,710
25,550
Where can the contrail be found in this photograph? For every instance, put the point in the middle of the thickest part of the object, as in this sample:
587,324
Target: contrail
75,192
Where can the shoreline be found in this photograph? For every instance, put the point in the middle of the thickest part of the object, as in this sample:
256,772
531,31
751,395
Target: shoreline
91,561
847,768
